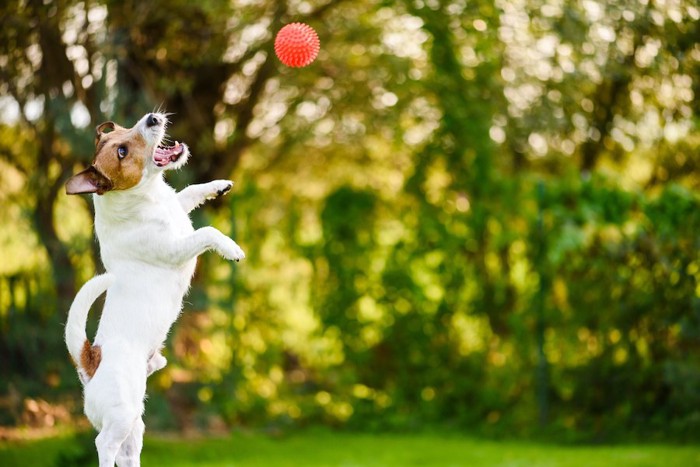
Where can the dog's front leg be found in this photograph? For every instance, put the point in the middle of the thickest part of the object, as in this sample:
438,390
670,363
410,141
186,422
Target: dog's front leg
181,250
194,195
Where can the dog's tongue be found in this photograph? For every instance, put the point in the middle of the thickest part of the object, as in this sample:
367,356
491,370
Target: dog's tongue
166,154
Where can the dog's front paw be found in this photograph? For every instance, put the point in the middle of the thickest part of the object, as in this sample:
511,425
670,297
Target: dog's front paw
231,251
220,187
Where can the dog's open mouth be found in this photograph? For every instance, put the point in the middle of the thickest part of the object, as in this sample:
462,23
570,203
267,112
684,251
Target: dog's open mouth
165,155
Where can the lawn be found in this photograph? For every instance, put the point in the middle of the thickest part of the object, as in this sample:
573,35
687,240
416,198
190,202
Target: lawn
311,449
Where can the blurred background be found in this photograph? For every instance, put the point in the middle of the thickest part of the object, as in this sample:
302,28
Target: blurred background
480,216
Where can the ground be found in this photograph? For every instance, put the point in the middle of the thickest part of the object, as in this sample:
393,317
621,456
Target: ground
312,448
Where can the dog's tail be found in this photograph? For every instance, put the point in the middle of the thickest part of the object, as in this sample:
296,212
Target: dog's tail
76,339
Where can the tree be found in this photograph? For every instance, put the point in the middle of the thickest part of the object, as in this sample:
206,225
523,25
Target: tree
402,268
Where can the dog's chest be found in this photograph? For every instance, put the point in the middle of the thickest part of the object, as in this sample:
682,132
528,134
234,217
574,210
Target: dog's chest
142,231
175,219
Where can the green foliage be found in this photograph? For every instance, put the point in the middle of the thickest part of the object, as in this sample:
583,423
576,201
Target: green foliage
471,215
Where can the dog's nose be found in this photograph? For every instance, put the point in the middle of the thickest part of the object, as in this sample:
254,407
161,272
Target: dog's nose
152,120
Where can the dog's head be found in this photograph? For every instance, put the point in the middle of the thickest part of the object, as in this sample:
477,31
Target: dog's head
125,157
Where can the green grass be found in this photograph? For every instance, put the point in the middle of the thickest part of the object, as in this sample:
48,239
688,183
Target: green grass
309,449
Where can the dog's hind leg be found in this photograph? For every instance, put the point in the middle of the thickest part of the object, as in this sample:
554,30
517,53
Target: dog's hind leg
113,434
155,363
129,454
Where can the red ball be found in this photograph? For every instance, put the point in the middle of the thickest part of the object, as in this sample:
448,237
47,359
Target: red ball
297,45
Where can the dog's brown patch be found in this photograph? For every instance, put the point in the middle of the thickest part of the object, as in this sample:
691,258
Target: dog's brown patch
123,173
90,358
111,170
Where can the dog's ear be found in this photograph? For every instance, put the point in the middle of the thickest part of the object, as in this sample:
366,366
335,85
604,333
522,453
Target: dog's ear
103,128
89,180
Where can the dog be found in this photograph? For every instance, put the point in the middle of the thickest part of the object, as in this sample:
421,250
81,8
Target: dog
149,250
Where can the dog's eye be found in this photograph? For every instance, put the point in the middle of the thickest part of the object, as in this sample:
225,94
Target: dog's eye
122,152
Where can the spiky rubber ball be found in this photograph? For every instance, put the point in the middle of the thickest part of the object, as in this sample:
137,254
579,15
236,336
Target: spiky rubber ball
297,45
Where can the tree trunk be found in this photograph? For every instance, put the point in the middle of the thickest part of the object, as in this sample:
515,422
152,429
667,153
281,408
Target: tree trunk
46,190
62,270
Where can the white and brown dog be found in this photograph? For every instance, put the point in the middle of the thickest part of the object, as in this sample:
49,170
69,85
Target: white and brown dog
149,249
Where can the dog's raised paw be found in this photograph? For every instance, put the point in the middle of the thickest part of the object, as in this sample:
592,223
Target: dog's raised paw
225,189
218,188
232,251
